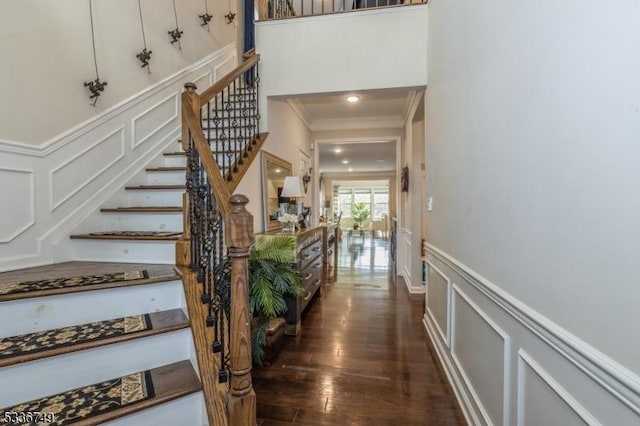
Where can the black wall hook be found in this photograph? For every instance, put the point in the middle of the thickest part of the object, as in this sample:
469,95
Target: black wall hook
145,57
230,17
95,87
206,18
175,35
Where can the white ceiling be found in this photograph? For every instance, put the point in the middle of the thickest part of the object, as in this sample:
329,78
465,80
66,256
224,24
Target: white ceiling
362,157
379,109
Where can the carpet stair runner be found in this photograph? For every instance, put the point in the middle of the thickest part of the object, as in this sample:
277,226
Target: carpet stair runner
130,235
97,403
72,277
42,344
141,209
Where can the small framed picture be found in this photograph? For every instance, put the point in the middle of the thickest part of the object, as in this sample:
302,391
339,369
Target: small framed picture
404,179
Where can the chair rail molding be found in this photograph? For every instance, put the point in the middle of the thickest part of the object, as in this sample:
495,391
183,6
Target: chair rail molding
224,54
574,372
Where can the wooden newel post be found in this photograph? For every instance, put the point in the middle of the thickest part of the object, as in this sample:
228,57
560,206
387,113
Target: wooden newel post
241,406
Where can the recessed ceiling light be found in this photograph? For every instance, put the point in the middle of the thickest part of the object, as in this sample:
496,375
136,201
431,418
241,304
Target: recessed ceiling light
345,161
353,98
278,170
350,169
337,150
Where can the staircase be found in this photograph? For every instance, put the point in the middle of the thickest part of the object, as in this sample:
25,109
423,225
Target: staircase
117,335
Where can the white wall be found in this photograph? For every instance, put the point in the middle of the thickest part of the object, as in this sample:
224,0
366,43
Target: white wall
288,135
52,188
335,53
47,56
532,148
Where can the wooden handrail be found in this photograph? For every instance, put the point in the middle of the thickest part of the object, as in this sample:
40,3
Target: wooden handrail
215,305
225,81
206,156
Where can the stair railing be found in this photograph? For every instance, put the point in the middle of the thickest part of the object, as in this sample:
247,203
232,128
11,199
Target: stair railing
220,137
279,9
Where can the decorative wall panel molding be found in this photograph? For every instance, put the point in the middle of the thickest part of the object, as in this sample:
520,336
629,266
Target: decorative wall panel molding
480,350
145,125
204,81
18,195
81,169
575,375
559,407
223,68
78,171
439,301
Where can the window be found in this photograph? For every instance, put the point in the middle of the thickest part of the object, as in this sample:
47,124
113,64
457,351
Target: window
376,198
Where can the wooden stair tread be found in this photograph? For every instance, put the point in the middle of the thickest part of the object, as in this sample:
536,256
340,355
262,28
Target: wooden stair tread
157,273
160,322
166,169
143,209
150,237
160,187
170,382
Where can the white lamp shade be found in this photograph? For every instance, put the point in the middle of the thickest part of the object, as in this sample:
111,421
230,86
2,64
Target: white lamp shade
292,187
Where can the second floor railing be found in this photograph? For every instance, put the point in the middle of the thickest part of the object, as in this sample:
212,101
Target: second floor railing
279,9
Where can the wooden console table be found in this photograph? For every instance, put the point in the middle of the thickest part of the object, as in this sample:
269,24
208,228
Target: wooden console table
308,257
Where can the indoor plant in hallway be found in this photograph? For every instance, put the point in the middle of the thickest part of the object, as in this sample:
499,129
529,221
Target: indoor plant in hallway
272,277
359,213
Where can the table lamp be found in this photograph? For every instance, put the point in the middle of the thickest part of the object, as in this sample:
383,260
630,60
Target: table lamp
292,189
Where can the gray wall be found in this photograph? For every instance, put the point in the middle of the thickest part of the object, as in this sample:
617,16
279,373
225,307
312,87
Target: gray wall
533,133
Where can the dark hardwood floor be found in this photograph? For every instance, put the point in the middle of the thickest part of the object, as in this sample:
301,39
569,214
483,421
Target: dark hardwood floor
362,357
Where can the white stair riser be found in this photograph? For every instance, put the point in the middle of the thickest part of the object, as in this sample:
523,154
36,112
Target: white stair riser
49,376
154,197
142,221
175,160
124,251
166,178
45,313
188,410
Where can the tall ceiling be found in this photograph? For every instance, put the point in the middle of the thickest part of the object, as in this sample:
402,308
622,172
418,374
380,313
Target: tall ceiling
379,109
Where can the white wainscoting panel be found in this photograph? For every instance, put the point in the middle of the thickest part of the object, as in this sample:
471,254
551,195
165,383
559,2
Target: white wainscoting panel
508,364
56,187
542,401
153,119
223,68
480,351
17,192
439,301
78,171
204,81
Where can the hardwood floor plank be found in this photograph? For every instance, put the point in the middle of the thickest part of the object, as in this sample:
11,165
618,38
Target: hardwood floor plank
362,358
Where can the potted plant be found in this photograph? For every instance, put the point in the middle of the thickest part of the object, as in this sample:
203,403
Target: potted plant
272,276
359,213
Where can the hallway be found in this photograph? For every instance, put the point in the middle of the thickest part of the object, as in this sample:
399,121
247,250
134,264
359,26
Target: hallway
362,357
